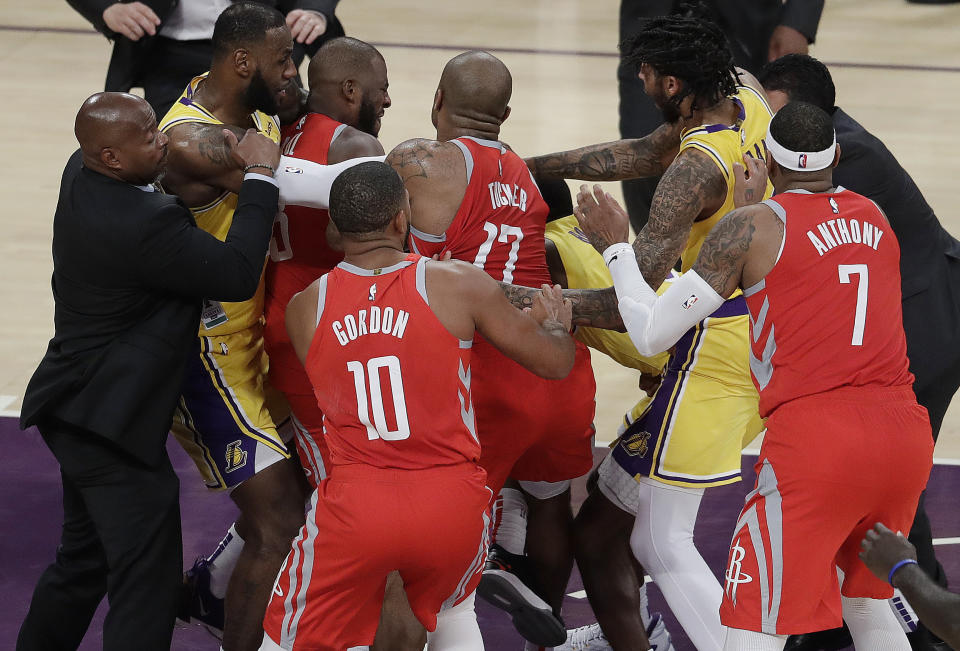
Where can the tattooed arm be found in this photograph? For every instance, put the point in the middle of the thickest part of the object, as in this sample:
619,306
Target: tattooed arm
612,161
200,166
592,308
741,249
435,175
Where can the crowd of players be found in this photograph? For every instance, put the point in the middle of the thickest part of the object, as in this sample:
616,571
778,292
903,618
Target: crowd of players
382,343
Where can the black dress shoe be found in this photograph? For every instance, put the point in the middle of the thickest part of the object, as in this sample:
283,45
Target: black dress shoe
832,640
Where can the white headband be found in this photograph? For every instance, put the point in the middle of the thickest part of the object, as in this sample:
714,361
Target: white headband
801,161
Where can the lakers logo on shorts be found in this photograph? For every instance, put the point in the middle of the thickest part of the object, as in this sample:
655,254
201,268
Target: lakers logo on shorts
734,574
636,444
236,456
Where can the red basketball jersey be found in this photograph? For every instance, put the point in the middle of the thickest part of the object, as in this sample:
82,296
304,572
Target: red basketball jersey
299,253
828,313
393,383
499,226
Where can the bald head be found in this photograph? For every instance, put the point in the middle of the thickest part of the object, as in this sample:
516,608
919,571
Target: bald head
118,136
340,59
106,120
478,85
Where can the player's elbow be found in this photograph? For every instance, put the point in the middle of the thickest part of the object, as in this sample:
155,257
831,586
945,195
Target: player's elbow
558,364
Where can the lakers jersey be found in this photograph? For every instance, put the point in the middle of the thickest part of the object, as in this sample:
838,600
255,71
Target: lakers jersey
217,216
726,145
585,269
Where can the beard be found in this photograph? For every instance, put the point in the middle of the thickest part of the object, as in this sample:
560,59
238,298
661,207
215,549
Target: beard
259,96
367,117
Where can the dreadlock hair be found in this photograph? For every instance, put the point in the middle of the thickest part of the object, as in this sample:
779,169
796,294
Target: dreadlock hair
690,48
802,78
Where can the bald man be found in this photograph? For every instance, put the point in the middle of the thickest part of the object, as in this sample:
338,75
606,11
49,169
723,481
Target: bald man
472,197
131,270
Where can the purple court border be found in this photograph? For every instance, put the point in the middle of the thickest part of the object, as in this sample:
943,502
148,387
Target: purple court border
514,50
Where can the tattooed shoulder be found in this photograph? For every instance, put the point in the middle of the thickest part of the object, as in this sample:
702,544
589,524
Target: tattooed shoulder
721,259
413,158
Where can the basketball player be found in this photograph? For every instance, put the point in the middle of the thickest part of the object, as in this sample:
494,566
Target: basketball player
474,198
227,417
690,435
847,444
401,431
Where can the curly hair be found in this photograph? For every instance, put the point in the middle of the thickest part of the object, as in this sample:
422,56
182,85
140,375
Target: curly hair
690,48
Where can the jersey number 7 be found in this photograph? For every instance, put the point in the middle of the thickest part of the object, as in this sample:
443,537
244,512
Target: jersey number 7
860,317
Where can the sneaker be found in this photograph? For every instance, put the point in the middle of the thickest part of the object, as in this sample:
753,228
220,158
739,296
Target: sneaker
585,638
504,585
658,635
197,603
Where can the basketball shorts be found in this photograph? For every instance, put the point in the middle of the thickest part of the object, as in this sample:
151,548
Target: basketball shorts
692,431
228,415
831,466
430,525
529,428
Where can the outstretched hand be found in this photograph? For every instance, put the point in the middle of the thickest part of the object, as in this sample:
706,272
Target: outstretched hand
549,306
601,218
882,549
751,181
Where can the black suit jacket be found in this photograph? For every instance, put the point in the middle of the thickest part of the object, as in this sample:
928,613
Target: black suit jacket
130,270
929,255
129,56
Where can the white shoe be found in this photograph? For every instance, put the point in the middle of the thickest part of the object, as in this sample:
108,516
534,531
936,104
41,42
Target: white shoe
658,634
585,638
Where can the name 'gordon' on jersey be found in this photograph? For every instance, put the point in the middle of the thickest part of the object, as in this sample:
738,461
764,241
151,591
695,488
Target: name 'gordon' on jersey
376,320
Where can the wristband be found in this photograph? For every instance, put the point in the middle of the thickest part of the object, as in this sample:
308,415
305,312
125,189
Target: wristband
614,250
260,165
906,561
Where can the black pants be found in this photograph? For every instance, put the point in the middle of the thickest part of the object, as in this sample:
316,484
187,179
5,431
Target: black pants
121,538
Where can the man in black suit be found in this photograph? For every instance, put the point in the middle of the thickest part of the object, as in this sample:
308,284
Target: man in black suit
160,45
130,272
929,261
757,31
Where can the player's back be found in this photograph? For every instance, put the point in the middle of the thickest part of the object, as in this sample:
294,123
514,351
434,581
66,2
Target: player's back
726,145
828,314
499,225
393,383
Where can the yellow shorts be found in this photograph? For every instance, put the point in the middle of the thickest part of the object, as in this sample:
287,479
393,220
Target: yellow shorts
691,432
228,416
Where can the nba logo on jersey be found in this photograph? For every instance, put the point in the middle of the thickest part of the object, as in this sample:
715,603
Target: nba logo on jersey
373,292
803,161
834,206
687,304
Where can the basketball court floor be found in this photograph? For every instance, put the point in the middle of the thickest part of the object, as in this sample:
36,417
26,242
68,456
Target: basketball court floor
897,70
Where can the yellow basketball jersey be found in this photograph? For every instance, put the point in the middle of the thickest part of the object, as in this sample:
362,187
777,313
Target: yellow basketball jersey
726,145
585,269
217,216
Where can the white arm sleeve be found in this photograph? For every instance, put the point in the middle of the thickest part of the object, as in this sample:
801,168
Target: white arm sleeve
305,183
655,323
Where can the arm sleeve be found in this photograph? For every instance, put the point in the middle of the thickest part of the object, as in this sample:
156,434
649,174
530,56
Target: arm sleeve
93,10
803,16
180,258
305,183
655,323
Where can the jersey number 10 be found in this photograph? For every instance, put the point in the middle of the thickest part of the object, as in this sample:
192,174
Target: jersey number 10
368,379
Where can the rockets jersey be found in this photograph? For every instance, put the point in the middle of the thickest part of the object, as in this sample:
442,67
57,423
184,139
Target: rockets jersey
726,145
584,268
217,216
499,225
828,314
299,253
386,403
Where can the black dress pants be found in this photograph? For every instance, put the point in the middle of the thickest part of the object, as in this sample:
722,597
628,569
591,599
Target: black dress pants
121,538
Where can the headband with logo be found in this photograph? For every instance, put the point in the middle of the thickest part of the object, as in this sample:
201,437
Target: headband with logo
801,161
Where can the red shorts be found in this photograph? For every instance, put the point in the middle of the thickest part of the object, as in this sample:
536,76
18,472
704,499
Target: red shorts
529,428
289,377
831,466
430,525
